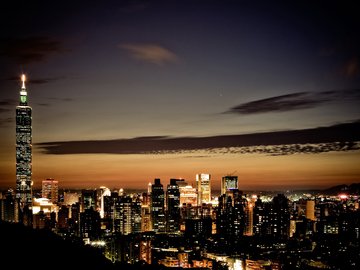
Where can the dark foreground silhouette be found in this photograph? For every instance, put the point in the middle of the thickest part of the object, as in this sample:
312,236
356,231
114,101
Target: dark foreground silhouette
22,246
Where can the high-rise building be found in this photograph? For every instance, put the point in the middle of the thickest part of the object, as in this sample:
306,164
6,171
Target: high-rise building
63,217
90,224
173,206
229,183
50,189
157,207
187,194
104,191
310,210
9,207
145,250
136,215
23,149
280,216
249,218
230,216
146,212
124,215
88,199
203,186
261,225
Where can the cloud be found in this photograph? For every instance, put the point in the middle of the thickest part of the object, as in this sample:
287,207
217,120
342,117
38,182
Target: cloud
3,110
61,99
151,53
7,102
55,100
5,105
341,133
30,49
5,121
295,101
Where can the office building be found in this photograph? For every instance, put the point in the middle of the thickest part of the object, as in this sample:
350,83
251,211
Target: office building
123,215
280,216
249,218
104,191
261,225
230,216
310,210
203,186
23,149
88,199
146,213
90,224
188,194
229,183
50,189
9,207
157,207
173,206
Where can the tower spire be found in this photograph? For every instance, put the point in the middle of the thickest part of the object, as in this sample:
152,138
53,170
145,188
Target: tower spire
23,92
23,79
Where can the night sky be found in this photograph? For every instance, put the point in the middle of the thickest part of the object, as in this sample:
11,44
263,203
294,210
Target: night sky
127,91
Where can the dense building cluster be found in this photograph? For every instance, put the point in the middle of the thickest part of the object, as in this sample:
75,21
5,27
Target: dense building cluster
185,225
171,226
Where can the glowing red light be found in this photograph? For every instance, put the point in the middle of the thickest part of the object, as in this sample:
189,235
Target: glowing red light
343,196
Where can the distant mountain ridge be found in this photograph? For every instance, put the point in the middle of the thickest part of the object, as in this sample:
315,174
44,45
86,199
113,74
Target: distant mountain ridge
351,189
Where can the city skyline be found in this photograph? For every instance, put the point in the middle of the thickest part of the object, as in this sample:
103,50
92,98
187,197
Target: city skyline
126,93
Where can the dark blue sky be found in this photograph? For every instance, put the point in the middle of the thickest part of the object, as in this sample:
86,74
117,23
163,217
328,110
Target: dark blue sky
127,69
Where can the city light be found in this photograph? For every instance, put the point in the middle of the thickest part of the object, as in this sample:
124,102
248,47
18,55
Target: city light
211,135
343,196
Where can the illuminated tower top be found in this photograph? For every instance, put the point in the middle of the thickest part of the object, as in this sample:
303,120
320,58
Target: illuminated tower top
23,92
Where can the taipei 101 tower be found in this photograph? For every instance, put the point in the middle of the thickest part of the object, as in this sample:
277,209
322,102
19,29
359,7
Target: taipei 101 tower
23,149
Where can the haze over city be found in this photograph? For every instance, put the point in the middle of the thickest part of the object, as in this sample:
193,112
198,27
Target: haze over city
123,93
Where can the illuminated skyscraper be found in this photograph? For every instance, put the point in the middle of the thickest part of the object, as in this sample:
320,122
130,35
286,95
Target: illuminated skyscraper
310,210
146,212
23,149
88,199
157,207
123,212
104,191
249,218
50,190
231,215
187,194
9,207
203,186
228,183
173,206
280,216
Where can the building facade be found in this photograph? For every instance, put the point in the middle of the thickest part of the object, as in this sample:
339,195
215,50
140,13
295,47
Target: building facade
229,183
23,149
173,206
203,186
157,206
50,190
